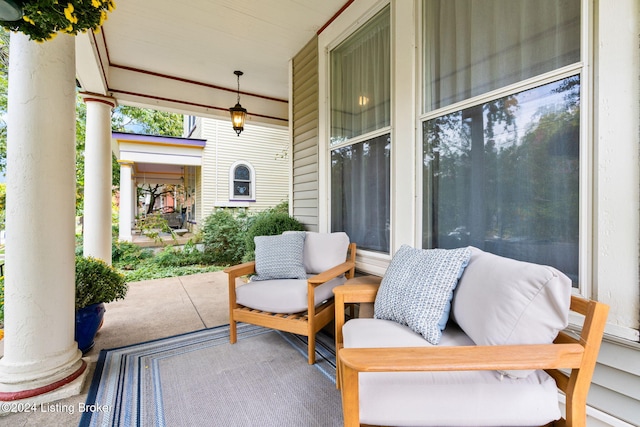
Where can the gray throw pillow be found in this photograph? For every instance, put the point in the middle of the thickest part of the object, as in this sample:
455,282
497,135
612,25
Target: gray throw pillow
280,257
417,288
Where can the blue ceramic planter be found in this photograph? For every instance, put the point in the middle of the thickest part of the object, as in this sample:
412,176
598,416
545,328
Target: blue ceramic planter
88,320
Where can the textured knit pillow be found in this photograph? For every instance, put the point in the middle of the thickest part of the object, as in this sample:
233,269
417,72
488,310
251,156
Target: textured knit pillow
417,288
280,257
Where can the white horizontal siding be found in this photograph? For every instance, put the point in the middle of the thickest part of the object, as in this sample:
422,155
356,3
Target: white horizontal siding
264,148
615,388
305,135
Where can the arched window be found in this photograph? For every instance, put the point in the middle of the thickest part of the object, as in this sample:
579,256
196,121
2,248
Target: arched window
241,180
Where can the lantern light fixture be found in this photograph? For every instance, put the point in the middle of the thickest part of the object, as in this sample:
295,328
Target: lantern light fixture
238,114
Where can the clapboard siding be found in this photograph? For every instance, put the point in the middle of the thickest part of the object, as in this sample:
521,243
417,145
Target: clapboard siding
263,148
615,388
305,135
306,186
302,152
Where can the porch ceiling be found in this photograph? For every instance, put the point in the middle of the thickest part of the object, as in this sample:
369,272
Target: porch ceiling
180,55
154,173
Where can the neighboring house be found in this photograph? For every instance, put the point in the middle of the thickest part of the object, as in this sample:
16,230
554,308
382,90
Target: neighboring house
249,171
212,168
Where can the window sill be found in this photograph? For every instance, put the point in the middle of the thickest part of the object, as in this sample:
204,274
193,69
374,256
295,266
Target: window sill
235,203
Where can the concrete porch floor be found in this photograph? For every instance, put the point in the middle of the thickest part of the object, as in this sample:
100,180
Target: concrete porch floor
152,309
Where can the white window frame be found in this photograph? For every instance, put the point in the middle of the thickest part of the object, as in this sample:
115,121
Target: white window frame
596,268
585,245
609,167
346,24
252,184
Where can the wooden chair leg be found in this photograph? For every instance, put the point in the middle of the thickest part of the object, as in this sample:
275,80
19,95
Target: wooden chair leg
351,399
311,339
233,333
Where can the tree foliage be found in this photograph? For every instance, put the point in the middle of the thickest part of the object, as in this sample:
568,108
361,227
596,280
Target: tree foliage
141,120
491,180
4,68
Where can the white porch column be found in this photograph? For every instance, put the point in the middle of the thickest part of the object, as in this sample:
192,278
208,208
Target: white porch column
41,359
97,178
126,200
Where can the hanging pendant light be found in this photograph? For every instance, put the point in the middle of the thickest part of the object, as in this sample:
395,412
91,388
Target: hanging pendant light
238,114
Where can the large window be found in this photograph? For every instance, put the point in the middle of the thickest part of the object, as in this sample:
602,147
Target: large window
360,141
502,172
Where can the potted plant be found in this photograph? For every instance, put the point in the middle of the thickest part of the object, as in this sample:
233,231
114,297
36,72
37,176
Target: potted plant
42,19
96,283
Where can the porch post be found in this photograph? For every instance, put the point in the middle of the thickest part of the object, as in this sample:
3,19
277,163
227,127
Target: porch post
97,177
41,360
126,200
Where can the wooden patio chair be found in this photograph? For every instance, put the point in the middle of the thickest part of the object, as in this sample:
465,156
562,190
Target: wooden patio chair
302,305
570,360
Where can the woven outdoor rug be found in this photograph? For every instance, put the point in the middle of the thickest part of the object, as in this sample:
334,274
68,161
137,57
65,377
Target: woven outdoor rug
199,379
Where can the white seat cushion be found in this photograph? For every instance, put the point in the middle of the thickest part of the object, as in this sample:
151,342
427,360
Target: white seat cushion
466,398
283,295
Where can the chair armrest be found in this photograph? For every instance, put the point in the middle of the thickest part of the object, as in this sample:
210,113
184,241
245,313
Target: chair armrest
352,361
463,358
332,273
235,272
351,293
241,269
319,279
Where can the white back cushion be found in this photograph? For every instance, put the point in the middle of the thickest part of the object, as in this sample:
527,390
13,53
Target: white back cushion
323,251
502,301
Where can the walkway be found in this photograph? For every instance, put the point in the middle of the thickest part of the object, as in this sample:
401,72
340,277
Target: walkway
152,309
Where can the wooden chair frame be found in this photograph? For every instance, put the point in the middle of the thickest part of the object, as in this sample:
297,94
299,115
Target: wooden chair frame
577,354
306,323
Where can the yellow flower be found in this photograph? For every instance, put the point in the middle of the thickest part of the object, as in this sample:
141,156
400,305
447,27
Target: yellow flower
29,20
69,29
1,333
112,6
96,3
68,13
103,16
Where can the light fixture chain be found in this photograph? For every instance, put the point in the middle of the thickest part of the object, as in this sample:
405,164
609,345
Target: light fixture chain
238,101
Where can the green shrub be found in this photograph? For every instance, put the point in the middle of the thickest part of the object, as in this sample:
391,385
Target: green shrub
189,255
128,256
223,238
269,223
97,281
282,207
154,271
